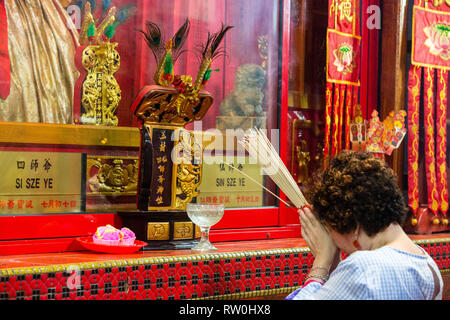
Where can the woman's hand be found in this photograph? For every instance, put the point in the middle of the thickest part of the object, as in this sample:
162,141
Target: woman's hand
318,238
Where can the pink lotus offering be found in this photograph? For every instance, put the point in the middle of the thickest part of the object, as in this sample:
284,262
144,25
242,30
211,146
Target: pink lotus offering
128,237
108,235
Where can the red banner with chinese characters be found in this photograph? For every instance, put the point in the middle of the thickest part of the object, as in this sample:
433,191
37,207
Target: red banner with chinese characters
430,58
5,71
343,73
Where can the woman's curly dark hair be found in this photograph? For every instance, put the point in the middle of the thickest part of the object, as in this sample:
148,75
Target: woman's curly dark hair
358,188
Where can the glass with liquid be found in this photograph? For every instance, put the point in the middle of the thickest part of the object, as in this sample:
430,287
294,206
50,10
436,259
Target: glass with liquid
205,216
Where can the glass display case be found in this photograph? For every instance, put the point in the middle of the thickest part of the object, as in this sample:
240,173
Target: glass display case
72,149
75,96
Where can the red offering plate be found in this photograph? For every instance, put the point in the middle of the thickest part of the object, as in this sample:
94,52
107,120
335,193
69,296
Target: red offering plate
89,244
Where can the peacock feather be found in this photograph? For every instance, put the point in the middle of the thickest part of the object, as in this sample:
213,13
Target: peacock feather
165,53
153,38
210,48
179,39
105,7
210,51
82,3
121,17
109,20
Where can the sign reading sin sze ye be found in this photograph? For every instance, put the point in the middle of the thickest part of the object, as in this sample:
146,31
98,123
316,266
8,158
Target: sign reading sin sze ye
41,182
222,184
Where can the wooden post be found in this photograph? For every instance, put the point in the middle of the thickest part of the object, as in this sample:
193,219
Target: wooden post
393,73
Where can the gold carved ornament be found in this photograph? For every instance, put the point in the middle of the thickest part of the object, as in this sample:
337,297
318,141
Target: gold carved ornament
101,93
113,175
189,169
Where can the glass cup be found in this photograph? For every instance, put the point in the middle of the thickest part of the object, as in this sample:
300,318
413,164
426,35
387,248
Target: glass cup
205,216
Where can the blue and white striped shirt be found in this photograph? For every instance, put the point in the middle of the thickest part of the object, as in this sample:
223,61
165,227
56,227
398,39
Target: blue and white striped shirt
382,274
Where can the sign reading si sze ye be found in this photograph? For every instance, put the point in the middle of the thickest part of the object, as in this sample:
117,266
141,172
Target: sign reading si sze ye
223,184
41,182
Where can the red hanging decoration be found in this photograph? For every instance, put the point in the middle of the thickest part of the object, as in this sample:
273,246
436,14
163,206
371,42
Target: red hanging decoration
414,83
430,164
431,56
441,142
343,73
5,71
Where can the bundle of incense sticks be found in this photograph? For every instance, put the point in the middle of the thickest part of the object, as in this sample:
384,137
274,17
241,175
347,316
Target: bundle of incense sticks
263,152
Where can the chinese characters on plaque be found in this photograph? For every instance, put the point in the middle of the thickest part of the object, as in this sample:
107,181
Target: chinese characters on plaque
161,184
223,184
41,182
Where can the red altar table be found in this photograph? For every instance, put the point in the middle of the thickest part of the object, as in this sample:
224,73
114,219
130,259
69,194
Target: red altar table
268,269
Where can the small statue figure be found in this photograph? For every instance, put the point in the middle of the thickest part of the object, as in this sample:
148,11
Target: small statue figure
303,159
247,96
358,131
319,158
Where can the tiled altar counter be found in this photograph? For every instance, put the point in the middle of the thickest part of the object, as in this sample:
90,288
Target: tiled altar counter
267,269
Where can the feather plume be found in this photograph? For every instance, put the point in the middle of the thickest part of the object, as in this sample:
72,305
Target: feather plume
105,6
179,39
210,48
154,40
121,17
125,13
109,19
82,3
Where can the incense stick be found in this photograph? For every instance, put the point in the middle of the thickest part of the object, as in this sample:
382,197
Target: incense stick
246,175
258,146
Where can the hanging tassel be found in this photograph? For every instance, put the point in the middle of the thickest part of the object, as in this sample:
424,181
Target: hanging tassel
328,110
341,126
414,83
430,163
441,143
335,130
348,115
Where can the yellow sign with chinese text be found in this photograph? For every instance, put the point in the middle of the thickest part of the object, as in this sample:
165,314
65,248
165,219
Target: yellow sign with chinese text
222,183
42,182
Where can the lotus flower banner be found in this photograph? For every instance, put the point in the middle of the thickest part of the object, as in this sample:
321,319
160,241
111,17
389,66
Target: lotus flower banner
431,36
